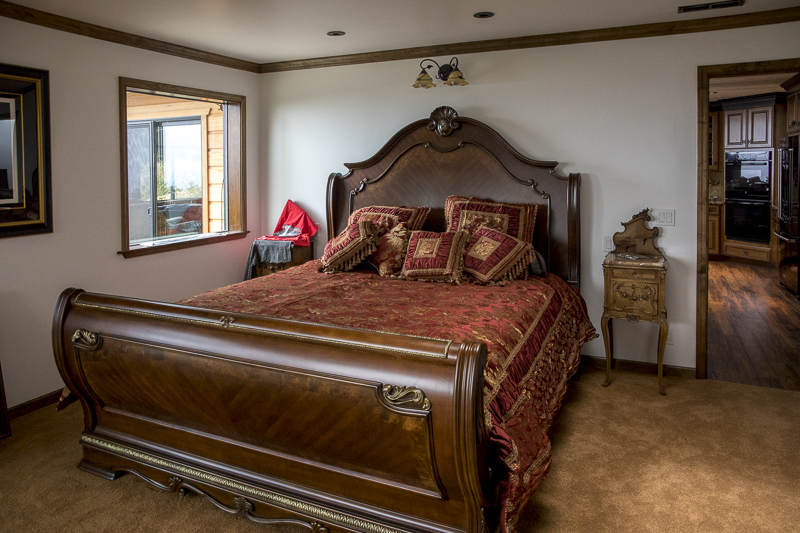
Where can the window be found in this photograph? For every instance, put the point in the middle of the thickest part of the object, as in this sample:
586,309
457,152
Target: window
182,167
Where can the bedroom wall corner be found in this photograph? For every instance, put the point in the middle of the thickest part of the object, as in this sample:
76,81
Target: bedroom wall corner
82,250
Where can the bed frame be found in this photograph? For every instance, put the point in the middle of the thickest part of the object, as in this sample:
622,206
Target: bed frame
325,427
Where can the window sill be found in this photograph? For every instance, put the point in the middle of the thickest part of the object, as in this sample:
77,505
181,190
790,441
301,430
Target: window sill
188,242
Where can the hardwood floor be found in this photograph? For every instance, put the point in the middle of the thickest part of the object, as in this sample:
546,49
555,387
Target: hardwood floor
753,327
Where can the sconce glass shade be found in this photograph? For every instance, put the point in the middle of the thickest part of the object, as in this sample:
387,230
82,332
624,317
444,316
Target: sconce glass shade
424,80
456,78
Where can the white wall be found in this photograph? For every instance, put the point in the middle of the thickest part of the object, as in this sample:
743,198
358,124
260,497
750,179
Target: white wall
82,251
621,113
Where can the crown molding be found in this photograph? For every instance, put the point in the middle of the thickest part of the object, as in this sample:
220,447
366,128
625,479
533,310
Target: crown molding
57,22
660,29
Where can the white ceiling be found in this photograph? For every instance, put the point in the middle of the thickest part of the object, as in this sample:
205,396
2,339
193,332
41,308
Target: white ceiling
265,31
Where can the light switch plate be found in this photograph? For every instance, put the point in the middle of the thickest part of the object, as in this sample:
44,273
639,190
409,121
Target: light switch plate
662,217
608,243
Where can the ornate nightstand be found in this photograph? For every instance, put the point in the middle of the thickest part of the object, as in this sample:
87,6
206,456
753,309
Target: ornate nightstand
635,274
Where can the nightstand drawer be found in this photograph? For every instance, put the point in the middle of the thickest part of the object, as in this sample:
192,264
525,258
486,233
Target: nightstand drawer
633,298
631,274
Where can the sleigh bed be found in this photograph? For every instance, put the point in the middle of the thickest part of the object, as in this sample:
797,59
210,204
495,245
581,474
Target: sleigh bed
349,401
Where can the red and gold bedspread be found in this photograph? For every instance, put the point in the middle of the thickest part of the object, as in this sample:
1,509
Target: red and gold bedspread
534,331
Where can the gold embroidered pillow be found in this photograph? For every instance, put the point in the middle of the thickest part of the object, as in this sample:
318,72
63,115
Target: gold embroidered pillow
467,213
391,252
350,247
385,217
492,256
435,256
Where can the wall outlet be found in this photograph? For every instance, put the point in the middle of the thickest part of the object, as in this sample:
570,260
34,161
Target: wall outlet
669,336
663,217
608,243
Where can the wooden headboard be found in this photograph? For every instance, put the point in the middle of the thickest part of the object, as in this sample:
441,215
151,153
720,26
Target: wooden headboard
445,154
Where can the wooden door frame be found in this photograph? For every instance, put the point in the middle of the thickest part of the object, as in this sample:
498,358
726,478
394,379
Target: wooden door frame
704,73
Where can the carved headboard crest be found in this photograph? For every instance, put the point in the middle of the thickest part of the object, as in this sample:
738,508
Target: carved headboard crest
443,121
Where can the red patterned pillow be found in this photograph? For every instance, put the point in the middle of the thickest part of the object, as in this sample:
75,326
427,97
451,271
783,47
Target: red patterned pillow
492,256
391,252
435,256
385,218
516,220
350,247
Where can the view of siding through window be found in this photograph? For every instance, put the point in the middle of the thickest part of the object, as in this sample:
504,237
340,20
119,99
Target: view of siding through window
176,178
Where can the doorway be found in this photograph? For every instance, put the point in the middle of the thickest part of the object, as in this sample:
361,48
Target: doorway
747,290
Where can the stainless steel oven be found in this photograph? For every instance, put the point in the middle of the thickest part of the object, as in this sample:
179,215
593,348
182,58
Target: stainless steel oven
747,196
747,221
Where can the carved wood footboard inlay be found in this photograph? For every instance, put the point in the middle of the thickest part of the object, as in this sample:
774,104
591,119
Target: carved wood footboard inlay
86,340
402,396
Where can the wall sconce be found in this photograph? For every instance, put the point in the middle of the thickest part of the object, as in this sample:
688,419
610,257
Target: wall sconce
448,73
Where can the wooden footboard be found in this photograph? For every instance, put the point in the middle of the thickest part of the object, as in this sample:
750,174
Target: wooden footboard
327,427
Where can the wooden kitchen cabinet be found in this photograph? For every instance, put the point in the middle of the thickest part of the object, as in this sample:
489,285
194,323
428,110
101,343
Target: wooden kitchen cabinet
792,86
747,250
714,228
793,114
748,128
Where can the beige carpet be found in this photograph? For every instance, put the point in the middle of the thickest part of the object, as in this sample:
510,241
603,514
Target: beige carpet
710,456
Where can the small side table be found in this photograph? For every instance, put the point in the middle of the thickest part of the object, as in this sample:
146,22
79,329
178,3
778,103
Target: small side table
635,287
256,268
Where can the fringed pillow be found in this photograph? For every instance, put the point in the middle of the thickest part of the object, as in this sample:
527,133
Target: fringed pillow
492,256
435,256
391,252
385,217
467,213
350,247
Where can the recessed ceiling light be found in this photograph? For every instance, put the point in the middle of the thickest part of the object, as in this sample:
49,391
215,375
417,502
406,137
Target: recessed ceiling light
483,15
336,33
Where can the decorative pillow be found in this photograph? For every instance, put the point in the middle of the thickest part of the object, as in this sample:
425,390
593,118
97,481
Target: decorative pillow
492,256
391,252
516,220
385,218
435,256
350,247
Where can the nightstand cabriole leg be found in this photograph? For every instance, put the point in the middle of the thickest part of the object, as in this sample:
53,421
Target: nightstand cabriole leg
608,338
662,342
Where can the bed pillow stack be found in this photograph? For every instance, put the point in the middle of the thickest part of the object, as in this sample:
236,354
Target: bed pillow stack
394,225
486,242
371,234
